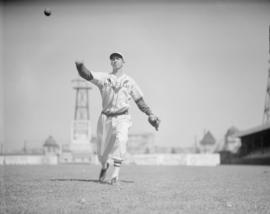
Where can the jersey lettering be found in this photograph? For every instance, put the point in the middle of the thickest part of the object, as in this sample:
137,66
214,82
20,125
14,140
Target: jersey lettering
116,92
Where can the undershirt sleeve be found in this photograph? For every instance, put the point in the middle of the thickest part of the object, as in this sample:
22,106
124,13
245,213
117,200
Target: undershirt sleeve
97,78
143,106
84,72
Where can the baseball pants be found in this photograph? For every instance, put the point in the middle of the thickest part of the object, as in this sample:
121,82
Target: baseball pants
112,137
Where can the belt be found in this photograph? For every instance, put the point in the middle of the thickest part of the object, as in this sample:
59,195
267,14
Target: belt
114,114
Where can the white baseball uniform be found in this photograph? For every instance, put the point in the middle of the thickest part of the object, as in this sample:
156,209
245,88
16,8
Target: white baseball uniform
112,131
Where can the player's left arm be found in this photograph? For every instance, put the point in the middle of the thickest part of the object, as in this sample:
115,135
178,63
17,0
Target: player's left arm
137,96
152,118
143,106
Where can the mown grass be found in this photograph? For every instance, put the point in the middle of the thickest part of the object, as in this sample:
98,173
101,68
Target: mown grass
142,189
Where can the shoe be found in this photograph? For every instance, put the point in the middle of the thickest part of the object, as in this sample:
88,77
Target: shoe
114,181
102,174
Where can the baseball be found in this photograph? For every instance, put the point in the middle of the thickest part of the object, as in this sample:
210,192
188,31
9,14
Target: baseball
47,12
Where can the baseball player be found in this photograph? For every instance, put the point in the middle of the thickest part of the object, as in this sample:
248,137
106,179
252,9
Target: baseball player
117,89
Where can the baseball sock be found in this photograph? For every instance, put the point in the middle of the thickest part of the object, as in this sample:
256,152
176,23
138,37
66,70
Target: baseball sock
117,165
104,165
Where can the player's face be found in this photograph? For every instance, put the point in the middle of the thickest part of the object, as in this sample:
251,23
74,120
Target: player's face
117,62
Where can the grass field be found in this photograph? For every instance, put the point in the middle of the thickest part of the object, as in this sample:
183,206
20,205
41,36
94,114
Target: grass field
142,189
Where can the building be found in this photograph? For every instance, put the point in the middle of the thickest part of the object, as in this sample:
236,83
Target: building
255,139
207,144
232,142
50,147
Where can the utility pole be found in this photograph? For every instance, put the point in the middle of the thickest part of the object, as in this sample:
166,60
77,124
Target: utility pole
266,112
2,149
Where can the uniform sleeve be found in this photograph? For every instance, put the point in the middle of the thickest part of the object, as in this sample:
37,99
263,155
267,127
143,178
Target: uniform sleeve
99,78
136,93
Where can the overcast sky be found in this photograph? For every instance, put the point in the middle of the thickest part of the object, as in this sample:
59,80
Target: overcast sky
201,65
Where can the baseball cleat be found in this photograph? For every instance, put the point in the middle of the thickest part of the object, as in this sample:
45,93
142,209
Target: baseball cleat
102,174
114,181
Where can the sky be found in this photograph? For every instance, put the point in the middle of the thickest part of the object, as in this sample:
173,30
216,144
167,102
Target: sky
202,65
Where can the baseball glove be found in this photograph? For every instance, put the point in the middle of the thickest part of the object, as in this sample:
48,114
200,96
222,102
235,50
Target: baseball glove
154,121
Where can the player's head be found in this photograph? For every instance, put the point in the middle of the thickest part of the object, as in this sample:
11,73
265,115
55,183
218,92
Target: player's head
117,60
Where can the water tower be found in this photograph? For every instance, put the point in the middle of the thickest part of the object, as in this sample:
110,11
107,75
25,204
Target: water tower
81,127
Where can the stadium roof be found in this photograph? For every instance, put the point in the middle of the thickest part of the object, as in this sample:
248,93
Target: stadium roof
254,130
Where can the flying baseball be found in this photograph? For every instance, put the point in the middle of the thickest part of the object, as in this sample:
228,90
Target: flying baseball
47,12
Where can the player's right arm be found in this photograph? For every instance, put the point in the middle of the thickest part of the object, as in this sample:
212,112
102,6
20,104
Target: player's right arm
83,71
97,78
